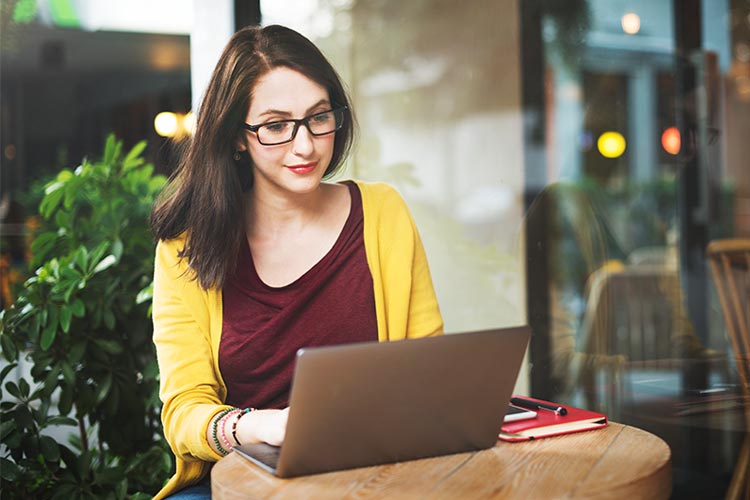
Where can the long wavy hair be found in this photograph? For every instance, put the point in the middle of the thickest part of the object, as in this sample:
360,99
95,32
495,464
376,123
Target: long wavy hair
203,199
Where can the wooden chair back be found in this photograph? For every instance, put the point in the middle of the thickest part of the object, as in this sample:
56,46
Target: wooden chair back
730,268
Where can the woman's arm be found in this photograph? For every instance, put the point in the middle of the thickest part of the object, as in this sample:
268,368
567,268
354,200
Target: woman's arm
189,386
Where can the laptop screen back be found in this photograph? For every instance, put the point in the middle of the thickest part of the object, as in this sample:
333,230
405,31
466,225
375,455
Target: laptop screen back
371,403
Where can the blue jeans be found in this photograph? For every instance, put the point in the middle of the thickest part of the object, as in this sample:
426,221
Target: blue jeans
200,491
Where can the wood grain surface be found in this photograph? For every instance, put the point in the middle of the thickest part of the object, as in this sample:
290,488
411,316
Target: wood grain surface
615,462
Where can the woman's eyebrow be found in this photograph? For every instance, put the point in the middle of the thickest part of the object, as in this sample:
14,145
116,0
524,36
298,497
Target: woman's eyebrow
287,113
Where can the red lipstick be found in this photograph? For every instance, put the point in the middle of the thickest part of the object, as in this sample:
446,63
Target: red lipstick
303,168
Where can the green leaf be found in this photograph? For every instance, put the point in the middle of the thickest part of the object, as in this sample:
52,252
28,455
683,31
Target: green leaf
156,184
10,352
65,491
13,440
105,263
48,336
60,420
43,243
50,330
51,200
82,258
117,248
9,471
112,403
109,319
98,252
49,448
36,326
12,388
66,314
71,190
23,386
103,390
132,159
66,400
145,295
78,308
7,369
24,417
76,352
110,346
69,374
111,150
51,380
122,489
64,175
6,427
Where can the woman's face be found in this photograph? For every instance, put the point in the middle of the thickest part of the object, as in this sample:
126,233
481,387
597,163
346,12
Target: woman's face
297,166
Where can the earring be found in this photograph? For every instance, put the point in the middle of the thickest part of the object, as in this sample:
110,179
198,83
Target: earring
237,156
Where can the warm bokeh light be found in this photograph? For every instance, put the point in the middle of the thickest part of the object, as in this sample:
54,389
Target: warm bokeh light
188,123
165,124
611,144
10,152
631,23
670,140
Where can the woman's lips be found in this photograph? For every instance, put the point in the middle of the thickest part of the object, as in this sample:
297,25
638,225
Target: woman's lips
303,168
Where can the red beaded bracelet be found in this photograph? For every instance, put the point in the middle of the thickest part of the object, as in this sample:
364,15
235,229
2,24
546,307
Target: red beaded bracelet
222,426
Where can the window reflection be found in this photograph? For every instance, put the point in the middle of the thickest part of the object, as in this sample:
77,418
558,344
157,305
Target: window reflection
486,115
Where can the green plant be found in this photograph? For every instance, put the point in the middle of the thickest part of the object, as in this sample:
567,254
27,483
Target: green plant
82,323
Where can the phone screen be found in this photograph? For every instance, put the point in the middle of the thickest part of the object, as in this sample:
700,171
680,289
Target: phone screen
516,413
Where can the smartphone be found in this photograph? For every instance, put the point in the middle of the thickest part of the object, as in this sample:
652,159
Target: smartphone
517,413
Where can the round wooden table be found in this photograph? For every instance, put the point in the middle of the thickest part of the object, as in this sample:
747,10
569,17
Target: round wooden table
616,462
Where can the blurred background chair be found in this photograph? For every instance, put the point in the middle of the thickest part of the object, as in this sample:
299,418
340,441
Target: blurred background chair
635,312
730,268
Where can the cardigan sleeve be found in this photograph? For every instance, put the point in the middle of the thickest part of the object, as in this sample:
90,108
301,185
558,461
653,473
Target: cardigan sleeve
408,305
190,389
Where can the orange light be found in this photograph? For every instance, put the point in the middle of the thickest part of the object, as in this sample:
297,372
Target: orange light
670,140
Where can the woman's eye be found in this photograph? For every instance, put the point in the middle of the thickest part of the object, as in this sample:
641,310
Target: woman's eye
276,127
322,117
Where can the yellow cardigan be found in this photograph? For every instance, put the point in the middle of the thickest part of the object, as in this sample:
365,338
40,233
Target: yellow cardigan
187,325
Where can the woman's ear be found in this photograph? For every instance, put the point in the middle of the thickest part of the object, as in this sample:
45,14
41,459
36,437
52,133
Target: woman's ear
240,144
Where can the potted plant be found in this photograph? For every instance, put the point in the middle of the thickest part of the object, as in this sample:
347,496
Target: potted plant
81,323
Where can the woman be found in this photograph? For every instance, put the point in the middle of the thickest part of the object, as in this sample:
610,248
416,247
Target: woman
257,256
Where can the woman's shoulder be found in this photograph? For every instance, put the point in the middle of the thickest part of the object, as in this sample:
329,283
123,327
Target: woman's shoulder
173,245
379,195
169,252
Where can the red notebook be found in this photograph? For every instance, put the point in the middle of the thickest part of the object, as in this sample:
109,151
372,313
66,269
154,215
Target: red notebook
548,423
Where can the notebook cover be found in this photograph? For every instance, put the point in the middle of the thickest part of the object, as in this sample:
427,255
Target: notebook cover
548,424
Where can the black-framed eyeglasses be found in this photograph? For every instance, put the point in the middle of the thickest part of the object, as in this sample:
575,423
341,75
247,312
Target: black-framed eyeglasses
283,131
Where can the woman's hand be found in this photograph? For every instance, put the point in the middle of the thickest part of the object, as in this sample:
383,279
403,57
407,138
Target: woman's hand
263,426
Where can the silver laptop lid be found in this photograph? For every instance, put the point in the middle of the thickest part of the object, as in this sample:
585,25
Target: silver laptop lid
371,403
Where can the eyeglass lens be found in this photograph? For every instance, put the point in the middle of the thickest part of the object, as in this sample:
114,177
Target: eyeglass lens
284,131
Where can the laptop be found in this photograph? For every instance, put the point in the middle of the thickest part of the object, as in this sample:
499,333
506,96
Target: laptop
372,403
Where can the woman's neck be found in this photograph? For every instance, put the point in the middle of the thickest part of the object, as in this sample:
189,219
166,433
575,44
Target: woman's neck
270,213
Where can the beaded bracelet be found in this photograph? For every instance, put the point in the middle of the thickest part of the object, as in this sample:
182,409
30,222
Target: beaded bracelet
237,421
214,426
223,426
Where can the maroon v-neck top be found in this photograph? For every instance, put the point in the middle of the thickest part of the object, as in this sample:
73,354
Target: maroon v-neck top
263,326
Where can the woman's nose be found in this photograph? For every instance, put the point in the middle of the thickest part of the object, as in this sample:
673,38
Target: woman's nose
302,144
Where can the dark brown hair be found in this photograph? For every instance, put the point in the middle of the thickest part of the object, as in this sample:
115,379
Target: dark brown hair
204,197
